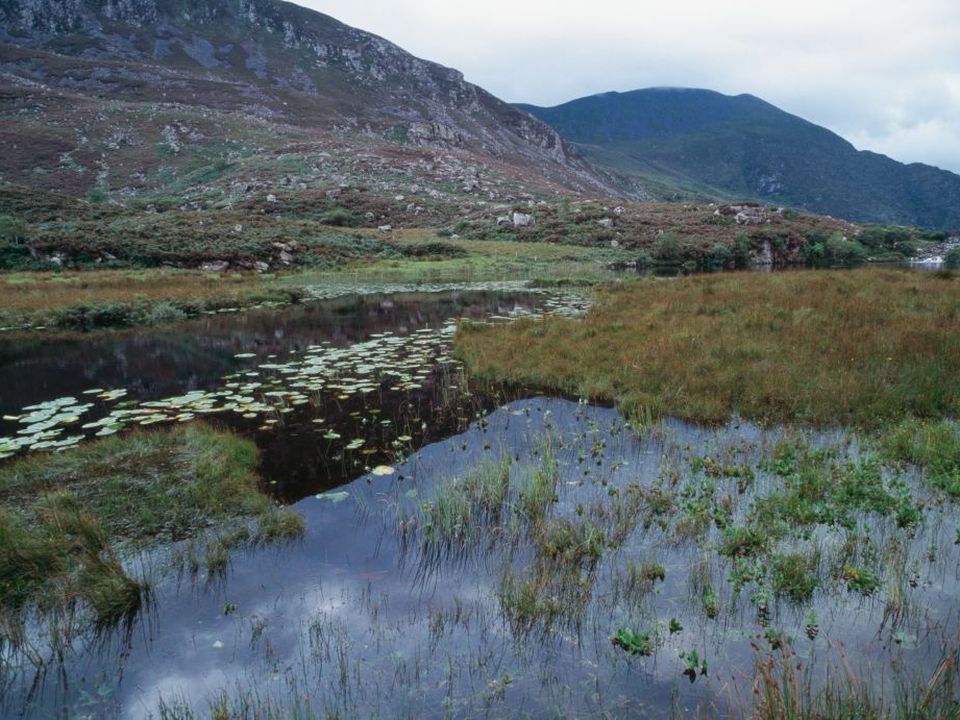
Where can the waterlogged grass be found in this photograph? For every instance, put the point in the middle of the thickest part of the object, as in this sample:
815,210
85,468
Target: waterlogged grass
558,542
932,446
867,347
67,517
786,686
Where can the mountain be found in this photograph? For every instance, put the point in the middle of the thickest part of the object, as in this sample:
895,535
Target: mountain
125,97
686,142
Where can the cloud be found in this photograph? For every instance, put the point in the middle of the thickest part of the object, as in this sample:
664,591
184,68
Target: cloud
886,76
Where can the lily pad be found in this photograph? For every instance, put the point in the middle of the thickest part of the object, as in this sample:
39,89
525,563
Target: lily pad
334,497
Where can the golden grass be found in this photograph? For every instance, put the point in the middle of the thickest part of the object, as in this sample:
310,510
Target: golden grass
865,346
34,292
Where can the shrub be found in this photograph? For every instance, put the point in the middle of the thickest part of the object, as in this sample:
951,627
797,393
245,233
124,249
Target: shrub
339,217
951,261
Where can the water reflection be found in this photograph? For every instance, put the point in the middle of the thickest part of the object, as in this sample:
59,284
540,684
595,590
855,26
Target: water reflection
362,619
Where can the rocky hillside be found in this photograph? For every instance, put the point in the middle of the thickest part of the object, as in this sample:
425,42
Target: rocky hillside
126,97
683,142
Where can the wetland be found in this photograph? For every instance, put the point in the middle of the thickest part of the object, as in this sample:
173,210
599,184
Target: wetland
717,496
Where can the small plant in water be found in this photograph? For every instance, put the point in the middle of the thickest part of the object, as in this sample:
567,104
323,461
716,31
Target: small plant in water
711,606
633,642
861,580
694,664
675,626
776,638
813,628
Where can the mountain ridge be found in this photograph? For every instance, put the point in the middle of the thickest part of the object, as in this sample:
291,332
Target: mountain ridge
275,61
696,141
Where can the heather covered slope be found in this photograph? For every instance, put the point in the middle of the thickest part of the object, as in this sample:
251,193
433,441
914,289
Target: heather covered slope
698,142
114,94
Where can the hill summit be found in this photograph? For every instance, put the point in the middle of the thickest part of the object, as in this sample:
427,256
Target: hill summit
680,142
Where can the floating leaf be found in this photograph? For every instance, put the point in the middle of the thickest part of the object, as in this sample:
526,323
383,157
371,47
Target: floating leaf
334,497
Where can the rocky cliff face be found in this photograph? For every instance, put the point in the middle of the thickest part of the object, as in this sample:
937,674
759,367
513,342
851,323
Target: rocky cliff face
274,60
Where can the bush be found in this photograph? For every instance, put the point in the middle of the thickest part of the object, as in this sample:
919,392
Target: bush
834,250
719,257
951,261
14,253
339,217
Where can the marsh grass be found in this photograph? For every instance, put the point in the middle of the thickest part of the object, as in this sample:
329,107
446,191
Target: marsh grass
116,298
932,446
67,516
866,347
784,688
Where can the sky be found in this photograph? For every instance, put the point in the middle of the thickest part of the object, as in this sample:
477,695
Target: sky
884,74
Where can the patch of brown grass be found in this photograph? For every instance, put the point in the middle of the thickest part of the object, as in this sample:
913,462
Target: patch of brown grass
823,346
55,298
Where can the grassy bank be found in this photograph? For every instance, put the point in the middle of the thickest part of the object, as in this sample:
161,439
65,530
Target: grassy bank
826,347
113,298
67,517
90,299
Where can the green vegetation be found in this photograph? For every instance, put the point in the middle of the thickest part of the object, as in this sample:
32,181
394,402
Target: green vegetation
868,347
634,643
932,446
951,260
834,250
68,517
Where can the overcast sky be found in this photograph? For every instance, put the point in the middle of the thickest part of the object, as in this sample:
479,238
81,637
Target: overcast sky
885,74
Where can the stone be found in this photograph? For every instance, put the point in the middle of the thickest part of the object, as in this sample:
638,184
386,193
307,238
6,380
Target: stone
215,266
271,198
523,220
605,222
285,257
385,228
260,266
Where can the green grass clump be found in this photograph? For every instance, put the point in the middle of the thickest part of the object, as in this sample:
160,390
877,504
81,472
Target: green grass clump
861,580
568,542
528,601
932,446
794,575
488,485
538,487
744,541
449,518
68,515
280,524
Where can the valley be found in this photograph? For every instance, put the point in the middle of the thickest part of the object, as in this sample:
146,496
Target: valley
333,386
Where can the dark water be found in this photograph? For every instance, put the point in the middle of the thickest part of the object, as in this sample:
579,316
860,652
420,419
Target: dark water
199,355
365,618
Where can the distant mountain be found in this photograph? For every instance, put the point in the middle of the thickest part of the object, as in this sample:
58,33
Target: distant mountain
104,93
685,142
